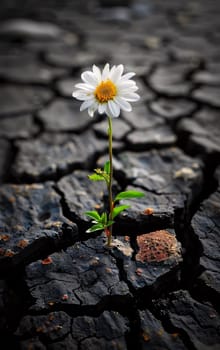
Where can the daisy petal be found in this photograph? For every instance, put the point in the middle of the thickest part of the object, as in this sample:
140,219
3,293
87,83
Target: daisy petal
92,109
125,106
115,76
102,108
108,112
131,88
89,78
114,108
121,92
82,94
105,72
84,87
83,97
77,93
127,84
131,97
86,104
91,112
97,73
127,76
112,70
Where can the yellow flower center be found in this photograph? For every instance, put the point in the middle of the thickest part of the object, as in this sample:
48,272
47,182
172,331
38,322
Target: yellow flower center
105,91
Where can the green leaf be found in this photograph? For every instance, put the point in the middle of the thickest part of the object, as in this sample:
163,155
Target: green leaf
96,227
96,177
117,210
109,223
103,218
128,195
94,215
103,174
107,167
99,175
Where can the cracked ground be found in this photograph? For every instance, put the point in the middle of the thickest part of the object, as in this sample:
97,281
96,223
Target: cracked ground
158,288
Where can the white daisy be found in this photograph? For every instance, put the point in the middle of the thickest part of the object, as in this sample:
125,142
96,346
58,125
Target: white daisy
107,91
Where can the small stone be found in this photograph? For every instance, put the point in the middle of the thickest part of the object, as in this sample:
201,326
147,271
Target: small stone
107,331
152,42
190,317
186,173
70,58
169,80
207,78
18,127
81,194
25,223
206,225
153,334
186,55
16,101
146,118
191,126
173,109
65,87
193,48
145,93
30,29
209,95
120,129
123,247
138,62
165,193
158,136
42,159
24,68
142,168
72,119
201,134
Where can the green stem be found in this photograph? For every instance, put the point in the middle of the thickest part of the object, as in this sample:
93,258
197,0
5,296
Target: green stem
110,180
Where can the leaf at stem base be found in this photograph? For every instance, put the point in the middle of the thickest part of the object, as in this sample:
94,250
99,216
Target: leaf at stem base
96,227
96,177
93,214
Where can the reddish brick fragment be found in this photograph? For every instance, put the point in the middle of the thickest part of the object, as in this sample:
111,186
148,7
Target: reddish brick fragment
47,261
148,211
157,246
4,237
22,243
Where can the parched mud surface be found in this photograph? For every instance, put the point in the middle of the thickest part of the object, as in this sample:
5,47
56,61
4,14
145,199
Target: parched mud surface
159,287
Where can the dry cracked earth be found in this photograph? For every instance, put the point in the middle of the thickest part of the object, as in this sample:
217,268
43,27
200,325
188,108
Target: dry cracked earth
60,288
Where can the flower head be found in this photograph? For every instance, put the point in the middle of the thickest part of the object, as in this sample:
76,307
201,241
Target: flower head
106,91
